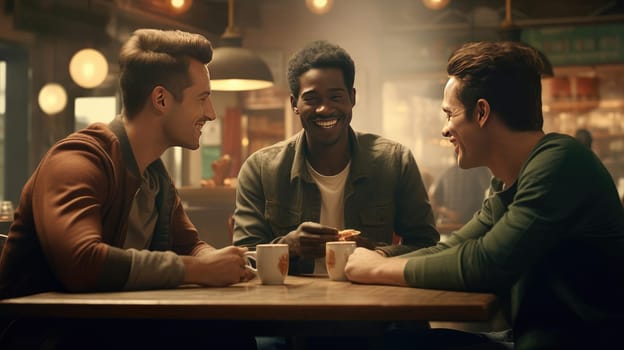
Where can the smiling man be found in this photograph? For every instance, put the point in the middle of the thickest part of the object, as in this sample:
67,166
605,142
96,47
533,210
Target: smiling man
100,213
549,240
328,177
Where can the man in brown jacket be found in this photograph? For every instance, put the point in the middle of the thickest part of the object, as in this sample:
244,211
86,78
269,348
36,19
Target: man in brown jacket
100,213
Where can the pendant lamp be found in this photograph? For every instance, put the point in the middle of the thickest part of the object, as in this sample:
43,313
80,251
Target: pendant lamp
234,68
52,98
88,68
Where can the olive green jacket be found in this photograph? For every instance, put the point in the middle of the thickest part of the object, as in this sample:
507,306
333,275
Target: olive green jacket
551,245
384,194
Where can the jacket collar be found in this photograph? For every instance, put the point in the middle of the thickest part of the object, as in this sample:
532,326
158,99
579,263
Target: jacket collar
117,127
358,165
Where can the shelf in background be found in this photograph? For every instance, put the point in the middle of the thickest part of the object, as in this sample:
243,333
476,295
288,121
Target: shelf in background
570,106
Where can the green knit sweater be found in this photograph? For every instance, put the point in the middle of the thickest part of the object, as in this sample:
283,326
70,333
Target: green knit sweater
551,245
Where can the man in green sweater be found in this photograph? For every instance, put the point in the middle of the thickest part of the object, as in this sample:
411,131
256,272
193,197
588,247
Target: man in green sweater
549,239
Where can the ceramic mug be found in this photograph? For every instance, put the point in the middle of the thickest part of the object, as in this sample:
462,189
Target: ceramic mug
271,262
336,256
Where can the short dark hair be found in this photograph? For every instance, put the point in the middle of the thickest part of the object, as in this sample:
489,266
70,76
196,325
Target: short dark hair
320,54
153,57
507,75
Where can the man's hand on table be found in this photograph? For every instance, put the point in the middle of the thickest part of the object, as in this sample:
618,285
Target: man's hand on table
370,267
308,240
217,268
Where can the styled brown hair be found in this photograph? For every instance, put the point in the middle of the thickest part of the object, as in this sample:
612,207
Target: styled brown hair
153,57
507,75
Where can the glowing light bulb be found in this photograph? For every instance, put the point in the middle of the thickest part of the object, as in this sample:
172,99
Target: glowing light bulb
180,6
319,7
52,98
435,4
88,68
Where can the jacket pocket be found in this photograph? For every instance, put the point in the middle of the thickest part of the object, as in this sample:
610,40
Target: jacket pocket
282,219
378,222
377,215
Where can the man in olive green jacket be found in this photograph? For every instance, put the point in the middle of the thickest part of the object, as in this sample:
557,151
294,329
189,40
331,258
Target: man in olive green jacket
328,177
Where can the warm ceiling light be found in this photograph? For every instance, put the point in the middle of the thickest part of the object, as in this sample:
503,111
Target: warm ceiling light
435,4
234,68
238,69
88,68
52,98
181,6
319,7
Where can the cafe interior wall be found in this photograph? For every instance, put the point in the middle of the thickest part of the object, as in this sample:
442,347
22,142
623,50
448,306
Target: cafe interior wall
15,144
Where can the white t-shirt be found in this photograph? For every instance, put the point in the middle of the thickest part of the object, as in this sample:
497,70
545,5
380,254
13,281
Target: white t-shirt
332,203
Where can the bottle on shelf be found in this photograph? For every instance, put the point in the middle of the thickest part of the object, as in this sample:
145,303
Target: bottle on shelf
6,216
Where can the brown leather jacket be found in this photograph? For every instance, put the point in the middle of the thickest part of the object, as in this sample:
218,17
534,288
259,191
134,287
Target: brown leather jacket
72,217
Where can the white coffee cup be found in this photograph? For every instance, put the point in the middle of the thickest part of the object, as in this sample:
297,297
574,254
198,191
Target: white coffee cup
336,256
271,262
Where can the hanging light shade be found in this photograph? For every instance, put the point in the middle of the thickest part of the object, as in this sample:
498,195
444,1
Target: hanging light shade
52,98
238,69
88,68
234,68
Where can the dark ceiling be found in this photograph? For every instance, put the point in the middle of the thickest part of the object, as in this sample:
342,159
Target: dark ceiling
524,13
100,19
103,19
548,8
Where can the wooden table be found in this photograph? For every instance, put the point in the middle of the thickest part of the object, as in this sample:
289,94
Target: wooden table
299,299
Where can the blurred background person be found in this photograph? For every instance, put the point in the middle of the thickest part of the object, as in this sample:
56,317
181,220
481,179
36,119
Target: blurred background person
584,137
458,194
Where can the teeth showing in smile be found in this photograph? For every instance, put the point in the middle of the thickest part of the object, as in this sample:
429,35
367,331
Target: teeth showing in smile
326,123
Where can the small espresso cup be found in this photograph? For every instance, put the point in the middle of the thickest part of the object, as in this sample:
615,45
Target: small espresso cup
271,262
336,256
